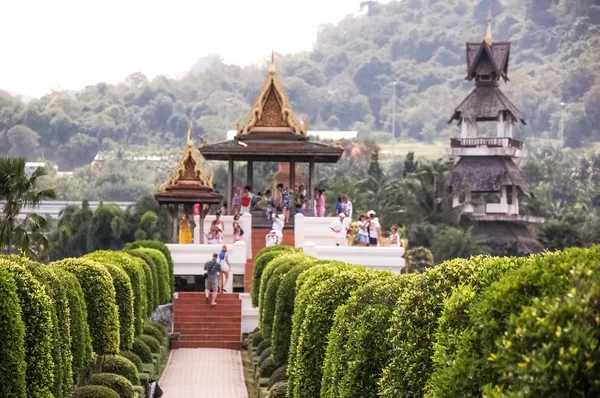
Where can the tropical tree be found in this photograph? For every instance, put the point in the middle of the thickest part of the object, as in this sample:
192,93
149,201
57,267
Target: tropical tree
451,243
18,189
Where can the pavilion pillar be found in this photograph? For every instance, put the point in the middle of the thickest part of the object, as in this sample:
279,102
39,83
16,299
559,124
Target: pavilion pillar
250,175
175,216
292,175
229,185
311,194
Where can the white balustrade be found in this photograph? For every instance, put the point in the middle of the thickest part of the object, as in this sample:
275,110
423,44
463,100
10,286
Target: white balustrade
380,258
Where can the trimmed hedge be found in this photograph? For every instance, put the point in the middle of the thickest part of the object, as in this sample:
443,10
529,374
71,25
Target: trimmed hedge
284,309
94,392
136,360
267,367
319,298
118,384
36,312
162,271
266,353
161,247
279,390
151,278
154,332
124,296
263,346
357,349
257,338
159,327
280,374
99,293
81,341
263,257
131,265
142,350
549,275
152,343
12,343
121,366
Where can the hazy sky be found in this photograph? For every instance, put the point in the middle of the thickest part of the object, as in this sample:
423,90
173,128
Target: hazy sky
67,44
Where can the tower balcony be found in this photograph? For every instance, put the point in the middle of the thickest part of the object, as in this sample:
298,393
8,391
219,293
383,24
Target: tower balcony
486,146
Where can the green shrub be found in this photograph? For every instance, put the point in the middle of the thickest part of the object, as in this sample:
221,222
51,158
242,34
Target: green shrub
99,293
94,392
121,366
257,338
154,332
280,374
161,247
36,312
266,353
144,378
61,321
357,349
124,296
12,330
152,343
159,327
267,367
284,309
140,391
549,275
134,270
151,278
117,383
142,350
136,360
162,271
279,390
81,341
263,257
321,296
419,259
263,346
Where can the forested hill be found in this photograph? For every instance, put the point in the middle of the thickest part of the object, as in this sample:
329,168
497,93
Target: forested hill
344,83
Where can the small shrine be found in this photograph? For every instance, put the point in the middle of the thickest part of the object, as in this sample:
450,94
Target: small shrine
272,132
191,183
485,180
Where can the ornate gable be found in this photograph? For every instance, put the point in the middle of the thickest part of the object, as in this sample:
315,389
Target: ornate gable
191,170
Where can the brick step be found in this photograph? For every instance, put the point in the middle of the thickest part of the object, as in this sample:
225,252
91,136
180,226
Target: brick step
223,325
197,299
182,295
187,331
229,345
208,336
206,309
202,303
199,315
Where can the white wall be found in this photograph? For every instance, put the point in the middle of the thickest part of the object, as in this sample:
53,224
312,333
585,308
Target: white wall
249,314
314,230
381,258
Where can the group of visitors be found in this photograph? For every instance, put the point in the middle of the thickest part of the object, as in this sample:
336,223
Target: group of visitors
216,274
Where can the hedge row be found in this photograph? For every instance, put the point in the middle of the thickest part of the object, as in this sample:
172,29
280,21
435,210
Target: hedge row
483,326
263,257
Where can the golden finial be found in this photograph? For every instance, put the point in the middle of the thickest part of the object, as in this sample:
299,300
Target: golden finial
488,35
272,67
190,139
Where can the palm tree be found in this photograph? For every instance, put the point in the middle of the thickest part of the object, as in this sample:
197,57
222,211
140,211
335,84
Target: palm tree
18,190
451,243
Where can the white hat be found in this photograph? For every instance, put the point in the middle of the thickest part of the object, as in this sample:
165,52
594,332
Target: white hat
342,215
281,217
371,212
273,231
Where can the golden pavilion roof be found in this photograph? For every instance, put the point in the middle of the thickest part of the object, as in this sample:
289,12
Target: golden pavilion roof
272,110
191,169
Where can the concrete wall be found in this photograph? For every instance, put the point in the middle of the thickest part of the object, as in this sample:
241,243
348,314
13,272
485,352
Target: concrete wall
314,230
380,258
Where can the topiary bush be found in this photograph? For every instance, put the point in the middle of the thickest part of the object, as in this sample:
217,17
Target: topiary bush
94,392
36,313
280,374
162,271
12,343
142,350
124,296
117,383
321,296
263,346
136,360
550,275
120,365
264,355
357,350
419,259
263,257
151,278
279,390
152,343
257,338
134,270
159,327
154,332
81,342
144,378
161,247
267,367
284,309
103,313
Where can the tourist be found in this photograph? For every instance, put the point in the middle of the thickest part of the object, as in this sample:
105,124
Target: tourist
374,229
217,227
395,237
236,202
223,209
347,207
185,230
246,200
363,234
266,204
299,200
278,224
340,229
339,207
321,200
225,268
211,278
286,201
271,238
237,229
315,196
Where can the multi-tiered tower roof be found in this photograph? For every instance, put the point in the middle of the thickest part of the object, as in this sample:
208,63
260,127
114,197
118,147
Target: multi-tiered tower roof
485,180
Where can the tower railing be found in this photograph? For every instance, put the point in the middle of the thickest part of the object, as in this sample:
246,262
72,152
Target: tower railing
489,142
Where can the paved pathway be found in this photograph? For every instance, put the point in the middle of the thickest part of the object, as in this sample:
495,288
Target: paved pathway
204,373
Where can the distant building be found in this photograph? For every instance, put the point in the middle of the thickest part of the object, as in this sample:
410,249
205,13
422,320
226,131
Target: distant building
320,135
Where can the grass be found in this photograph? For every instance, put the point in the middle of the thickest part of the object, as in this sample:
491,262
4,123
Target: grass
249,375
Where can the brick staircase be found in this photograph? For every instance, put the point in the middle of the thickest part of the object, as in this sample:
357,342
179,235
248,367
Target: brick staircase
258,243
201,325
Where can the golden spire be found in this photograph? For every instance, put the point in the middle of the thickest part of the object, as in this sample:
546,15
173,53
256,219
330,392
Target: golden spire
488,35
272,67
190,139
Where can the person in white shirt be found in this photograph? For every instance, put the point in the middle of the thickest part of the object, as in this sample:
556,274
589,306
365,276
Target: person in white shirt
278,225
395,237
271,238
340,229
347,207
374,229
363,235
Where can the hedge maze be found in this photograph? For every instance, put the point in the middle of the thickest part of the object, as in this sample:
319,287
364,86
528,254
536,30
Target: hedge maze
486,326
78,327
